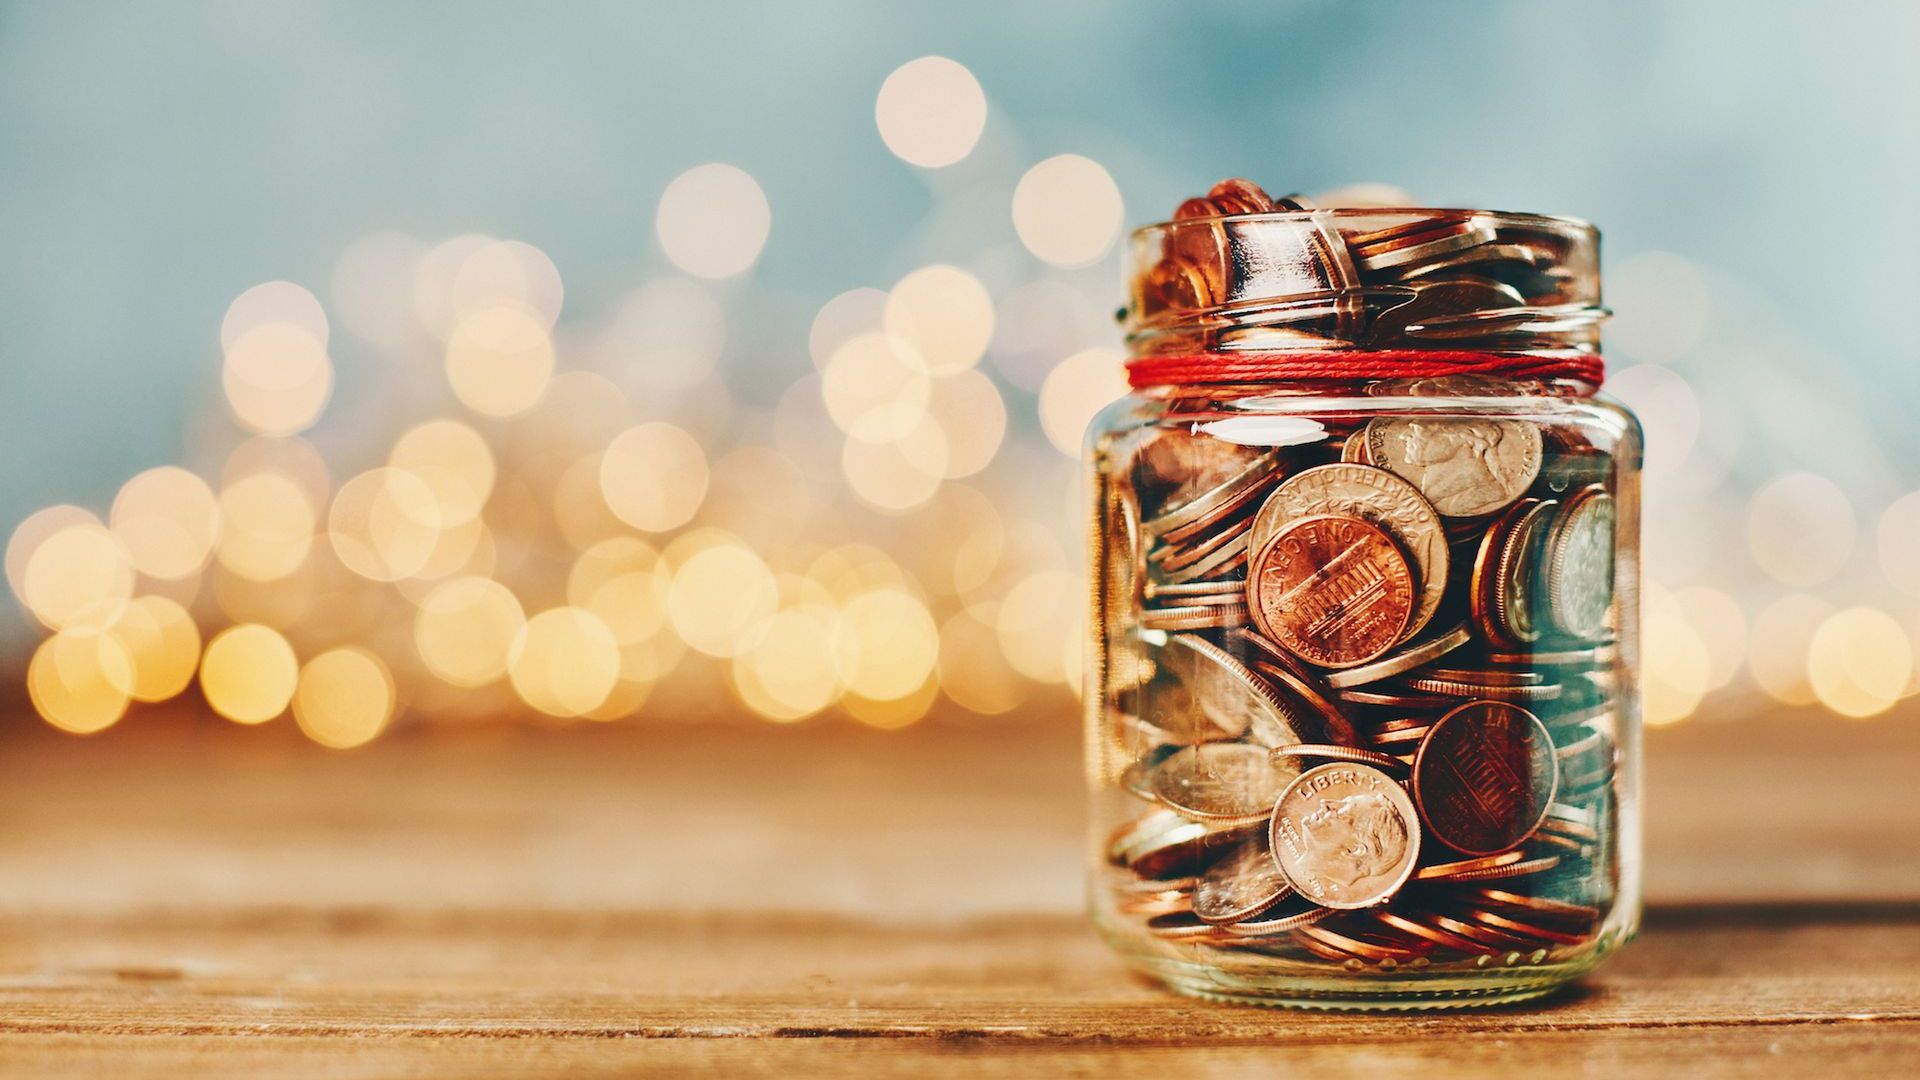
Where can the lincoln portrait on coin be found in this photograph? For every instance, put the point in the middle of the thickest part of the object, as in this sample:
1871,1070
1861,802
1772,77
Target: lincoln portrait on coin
1353,838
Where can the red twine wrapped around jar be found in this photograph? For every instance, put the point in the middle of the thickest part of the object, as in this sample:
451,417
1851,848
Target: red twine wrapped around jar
1357,365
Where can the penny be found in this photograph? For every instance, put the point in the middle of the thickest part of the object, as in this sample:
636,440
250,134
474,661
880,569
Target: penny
1499,941
1413,656
1335,591
1162,902
1434,934
1180,557
1578,564
1464,467
1516,869
1513,583
1238,196
1403,736
1224,782
1231,698
1484,777
1333,723
1538,905
1435,302
1485,583
1329,752
1396,700
1242,882
1445,870
1378,496
1346,836
1365,950
1505,924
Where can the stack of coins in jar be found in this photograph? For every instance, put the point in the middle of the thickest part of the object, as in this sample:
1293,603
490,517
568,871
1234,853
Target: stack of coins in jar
1362,721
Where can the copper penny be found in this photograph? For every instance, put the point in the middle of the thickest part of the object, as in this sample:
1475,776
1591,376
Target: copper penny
1484,777
1336,591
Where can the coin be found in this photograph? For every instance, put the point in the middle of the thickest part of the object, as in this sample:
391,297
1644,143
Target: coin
1187,506
1231,698
1403,737
1225,782
1194,618
1353,946
1426,246
1506,924
1484,777
1434,934
1498,941
1242,882
1522,868
1378,496
1498,691
1437,302
1238,196
1330,752
1178,926
1290,913
1346,836
1513,583
1465,467
1405,660
1539,906
1335,591
1578,564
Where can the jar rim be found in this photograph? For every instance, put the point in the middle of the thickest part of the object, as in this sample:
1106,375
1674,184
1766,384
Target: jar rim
1514,217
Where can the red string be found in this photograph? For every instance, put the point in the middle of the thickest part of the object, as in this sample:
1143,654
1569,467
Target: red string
1358,365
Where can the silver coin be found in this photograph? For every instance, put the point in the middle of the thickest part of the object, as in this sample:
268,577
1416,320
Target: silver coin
1464,467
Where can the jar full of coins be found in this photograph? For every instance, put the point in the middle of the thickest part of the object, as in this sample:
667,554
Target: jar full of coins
1362,704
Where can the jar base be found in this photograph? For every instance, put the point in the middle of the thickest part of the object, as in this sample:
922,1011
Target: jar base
1270,985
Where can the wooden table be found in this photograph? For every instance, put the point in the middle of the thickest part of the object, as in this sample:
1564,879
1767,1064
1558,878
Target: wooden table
183,897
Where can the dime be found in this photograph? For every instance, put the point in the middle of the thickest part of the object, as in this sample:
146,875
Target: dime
1484,777
1225,782
1194,617
1465,467
1242,882
1289,914
1428,685
1346,836
1578,564
1522,868
1230,698
1378,496
1184,509
1178,926
1334,590
1405,660
1329,752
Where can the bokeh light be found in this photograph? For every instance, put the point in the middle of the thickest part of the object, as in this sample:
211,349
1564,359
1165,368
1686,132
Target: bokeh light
713,221
721,597
455,464
1678,668
78,681
1859,661
931,111
384,524
792,671
876,388
1778,648
1067,210
1036,622
278,378
564,662
249,673
465,629
499,359
267,526
162,647
1899,543
167,520
78,578
1075,392
654,476
344,698
1800,529
945,314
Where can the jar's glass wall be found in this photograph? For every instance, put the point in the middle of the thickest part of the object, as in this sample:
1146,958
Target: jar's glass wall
1397,767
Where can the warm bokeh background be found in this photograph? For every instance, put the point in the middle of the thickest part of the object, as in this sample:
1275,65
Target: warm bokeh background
422,363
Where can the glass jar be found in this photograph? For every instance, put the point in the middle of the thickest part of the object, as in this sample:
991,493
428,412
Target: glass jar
1362,705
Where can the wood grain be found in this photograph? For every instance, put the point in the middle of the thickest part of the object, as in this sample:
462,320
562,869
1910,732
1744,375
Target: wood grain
186,898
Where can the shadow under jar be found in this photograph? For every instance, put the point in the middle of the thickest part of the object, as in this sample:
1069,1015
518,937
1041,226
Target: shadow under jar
1362,704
